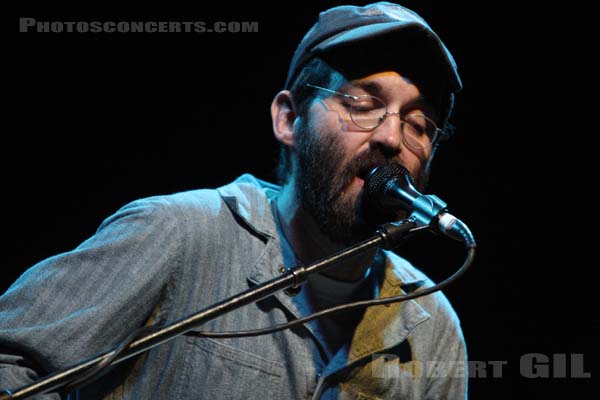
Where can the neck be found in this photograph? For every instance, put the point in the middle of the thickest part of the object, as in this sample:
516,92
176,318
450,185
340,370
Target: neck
310,244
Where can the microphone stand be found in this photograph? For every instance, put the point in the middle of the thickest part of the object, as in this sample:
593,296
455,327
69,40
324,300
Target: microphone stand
386,236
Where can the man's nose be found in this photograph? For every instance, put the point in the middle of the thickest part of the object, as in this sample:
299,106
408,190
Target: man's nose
388,135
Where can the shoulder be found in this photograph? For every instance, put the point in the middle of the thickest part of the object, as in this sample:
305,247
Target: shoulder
168,208
246,198
197,202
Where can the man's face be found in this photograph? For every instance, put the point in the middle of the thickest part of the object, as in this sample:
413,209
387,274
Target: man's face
334,156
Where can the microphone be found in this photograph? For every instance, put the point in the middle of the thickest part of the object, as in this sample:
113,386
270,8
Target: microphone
391,187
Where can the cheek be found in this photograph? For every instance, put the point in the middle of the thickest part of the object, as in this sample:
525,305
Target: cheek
330,123
332,117
324,119
415,169
416,160
415,164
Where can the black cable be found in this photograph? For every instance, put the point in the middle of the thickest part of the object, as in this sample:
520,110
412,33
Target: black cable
344,307
101,368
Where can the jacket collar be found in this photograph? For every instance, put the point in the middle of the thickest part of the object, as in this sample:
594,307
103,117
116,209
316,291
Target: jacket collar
248,198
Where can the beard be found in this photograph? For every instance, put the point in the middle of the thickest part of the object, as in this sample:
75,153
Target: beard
322,180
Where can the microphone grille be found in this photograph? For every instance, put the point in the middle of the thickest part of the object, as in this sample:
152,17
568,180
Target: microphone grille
379,177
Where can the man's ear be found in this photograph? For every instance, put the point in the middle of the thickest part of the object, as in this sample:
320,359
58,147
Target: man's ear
283,117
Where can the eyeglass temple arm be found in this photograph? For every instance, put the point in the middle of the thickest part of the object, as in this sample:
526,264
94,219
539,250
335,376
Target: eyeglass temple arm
349,96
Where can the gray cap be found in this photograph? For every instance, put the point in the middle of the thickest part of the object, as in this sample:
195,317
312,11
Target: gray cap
349,25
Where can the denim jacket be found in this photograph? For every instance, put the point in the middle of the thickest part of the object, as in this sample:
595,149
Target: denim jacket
162,258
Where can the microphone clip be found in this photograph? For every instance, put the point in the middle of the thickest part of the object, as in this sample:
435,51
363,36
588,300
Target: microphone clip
426,208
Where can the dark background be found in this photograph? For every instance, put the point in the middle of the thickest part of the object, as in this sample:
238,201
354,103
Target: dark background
94,121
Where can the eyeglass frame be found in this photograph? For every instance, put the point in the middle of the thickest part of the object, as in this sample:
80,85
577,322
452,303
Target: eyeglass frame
439,133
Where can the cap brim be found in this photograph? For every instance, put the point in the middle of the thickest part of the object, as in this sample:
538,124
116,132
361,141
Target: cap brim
368,32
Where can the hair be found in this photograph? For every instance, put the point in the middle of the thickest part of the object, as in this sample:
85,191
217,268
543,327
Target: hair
320,73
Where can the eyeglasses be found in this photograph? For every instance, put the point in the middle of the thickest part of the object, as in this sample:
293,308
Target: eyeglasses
368,112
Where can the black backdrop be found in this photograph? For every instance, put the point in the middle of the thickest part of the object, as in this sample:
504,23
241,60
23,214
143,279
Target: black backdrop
93,121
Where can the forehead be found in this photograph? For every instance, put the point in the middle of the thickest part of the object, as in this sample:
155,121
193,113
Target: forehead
391,87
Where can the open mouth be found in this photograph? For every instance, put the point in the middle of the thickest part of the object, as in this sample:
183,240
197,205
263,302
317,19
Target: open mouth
364,171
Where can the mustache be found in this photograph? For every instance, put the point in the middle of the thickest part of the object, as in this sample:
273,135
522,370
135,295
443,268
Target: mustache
362,164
